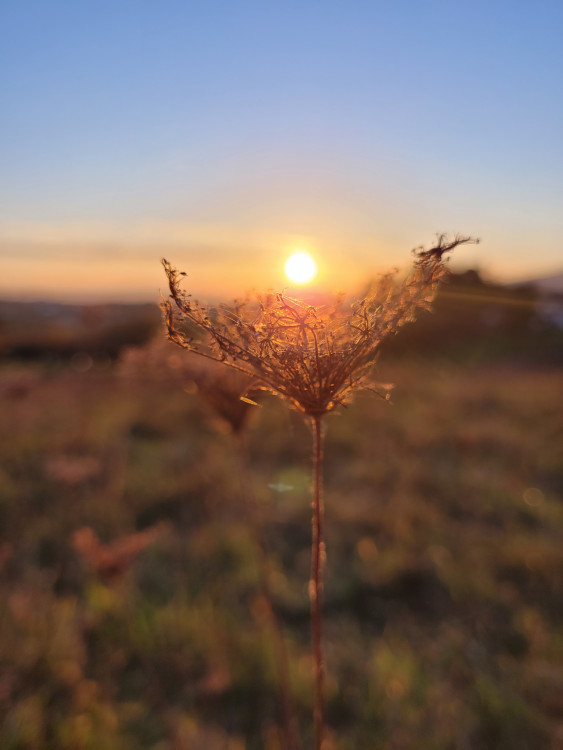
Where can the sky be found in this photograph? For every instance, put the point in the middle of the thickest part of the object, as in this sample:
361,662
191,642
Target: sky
222,134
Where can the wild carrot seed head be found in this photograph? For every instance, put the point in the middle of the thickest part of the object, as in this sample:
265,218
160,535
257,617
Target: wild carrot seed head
229,394
313,355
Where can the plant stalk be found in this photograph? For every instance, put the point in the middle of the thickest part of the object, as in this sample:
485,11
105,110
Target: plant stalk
316,584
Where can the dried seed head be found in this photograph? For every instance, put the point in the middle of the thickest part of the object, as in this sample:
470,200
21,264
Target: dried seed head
229,394
314,356
111,561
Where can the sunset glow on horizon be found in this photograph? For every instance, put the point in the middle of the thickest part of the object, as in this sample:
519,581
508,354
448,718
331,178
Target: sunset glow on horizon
195,152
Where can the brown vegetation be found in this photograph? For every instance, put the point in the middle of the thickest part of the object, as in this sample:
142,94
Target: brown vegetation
443,592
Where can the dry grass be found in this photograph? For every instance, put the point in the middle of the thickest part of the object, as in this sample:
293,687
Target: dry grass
443,598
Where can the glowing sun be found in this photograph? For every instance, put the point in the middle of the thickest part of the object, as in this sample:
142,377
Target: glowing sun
300,268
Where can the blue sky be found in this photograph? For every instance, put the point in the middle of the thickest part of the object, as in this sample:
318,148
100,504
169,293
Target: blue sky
221,133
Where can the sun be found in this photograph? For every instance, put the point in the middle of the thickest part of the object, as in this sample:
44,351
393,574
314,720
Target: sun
300,268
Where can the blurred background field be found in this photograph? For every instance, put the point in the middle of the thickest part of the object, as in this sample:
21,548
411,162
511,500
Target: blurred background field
131,613
228,137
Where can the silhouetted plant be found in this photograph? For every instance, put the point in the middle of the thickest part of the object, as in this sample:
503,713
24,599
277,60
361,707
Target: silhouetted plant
227,394
316,357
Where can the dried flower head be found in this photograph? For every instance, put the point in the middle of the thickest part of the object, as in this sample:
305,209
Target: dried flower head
111,561
228,393
313,355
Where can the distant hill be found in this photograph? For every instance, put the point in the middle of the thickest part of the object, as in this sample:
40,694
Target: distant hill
545,284
38,329
471,319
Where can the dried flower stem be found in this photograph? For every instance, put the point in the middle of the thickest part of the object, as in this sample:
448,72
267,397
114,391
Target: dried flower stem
318,557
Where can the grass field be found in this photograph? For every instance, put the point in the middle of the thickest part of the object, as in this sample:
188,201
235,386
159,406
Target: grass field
444,593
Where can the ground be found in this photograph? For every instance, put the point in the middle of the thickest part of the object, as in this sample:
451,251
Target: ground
444,593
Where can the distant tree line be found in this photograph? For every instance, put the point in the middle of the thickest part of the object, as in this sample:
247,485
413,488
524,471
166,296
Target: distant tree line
471,319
